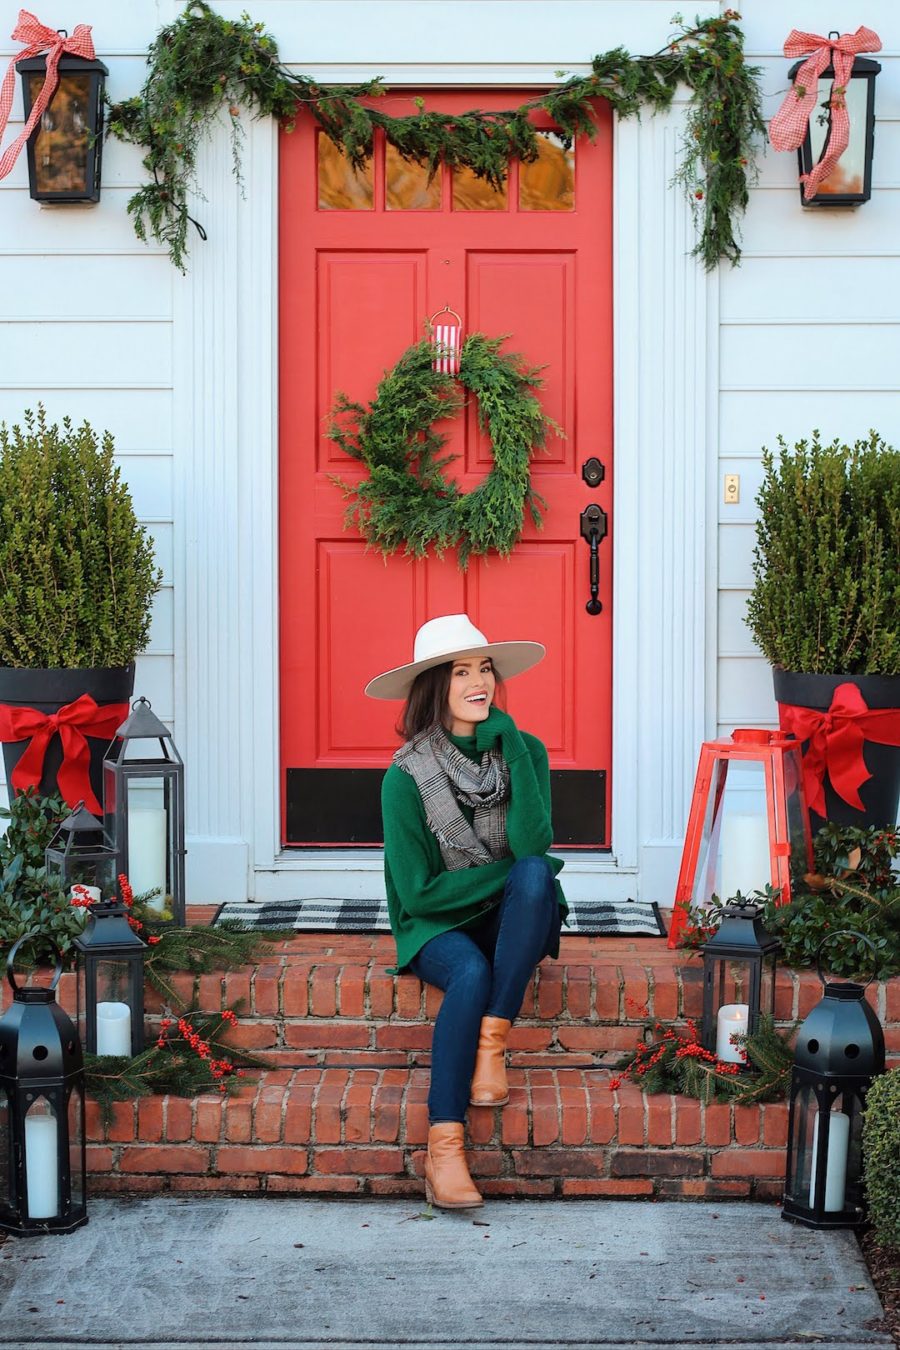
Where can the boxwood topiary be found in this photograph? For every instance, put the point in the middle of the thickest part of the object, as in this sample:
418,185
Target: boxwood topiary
77,574
826,600
881,1155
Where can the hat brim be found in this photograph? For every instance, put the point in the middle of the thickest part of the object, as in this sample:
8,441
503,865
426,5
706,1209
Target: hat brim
509,658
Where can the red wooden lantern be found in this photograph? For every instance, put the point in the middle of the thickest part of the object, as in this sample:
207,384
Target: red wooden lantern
748,826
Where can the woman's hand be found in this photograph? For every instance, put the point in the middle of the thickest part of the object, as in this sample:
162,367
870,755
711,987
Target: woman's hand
499,726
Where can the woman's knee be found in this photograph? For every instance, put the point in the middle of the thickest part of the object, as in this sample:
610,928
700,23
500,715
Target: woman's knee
532,878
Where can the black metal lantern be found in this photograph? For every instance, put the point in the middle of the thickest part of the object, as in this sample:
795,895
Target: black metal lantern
43,1168
143,797
110,983
839,1050
739,964
80,855
850,181
65,147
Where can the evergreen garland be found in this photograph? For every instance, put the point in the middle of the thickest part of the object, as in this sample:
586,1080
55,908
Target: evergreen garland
670,1059
203,64
406,501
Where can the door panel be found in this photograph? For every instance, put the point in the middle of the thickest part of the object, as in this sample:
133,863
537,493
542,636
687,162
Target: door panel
372,264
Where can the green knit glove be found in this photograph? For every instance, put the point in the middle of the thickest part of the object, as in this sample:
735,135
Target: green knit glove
499,726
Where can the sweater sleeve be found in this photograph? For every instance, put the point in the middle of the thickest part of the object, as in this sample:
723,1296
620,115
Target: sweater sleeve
528,826
412,859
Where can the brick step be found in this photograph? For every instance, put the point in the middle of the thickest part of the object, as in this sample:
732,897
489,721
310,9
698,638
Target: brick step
363,1131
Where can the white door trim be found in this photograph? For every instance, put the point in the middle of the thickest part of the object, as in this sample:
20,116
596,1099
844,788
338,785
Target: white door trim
226,584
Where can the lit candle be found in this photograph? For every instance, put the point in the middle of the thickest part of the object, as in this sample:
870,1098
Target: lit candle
743,856
835,1163
147,853
113,1029
41,1165
733,1020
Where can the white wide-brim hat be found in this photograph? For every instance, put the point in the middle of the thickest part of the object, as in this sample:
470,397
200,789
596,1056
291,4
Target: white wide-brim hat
451,638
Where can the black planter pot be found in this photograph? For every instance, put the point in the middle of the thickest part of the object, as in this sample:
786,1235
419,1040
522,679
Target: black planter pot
880,793
50,690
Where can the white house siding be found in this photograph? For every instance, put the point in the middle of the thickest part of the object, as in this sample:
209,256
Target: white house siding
803,334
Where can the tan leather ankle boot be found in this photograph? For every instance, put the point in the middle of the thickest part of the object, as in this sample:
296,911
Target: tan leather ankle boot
447,1181
489,1085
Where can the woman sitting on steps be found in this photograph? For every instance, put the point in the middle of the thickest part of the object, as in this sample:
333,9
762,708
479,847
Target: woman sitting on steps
472,896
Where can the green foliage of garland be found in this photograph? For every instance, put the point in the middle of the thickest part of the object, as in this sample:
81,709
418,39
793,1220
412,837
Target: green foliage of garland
77,576
203,64
826,598
881,1152
406,502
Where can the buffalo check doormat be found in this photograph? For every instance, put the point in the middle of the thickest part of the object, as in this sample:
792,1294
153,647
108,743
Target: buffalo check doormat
605,918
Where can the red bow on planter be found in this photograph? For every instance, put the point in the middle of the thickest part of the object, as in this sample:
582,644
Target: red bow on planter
38,37
788,127
836,740
73,723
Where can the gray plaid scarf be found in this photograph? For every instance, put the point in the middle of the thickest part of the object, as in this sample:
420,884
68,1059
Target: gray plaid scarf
445,777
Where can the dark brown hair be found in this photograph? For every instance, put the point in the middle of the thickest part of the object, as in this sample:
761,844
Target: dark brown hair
426,703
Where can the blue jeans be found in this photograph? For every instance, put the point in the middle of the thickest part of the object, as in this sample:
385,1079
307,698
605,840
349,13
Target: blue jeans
484,971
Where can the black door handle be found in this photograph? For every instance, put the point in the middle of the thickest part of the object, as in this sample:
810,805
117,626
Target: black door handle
593,529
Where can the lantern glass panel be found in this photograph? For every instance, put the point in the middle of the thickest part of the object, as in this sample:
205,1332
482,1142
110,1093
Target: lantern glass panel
848,175
62,143
42,1160
113,1010
805,1112
76,1146
734,852
150,846
6,1159
797,817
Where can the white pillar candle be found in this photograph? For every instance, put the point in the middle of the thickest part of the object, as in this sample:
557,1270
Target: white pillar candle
743,856
113,1029
836,1162
733,1020
41,1166
147,853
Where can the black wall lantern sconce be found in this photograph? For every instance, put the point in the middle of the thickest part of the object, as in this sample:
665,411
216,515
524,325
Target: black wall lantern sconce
42,1150
839,1050
835,137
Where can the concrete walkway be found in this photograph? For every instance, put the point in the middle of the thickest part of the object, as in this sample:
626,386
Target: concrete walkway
304,1274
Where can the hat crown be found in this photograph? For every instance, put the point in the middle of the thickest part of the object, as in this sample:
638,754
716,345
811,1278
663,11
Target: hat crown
445,635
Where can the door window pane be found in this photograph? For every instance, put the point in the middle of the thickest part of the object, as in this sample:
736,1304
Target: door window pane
341,187
476,194
548,183
406,185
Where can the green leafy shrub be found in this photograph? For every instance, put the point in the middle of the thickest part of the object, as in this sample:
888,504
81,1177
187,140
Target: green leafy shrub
27,902
826,599
853,888
881,1154
77,577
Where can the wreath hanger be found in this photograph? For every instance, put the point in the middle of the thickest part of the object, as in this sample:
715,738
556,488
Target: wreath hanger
447,342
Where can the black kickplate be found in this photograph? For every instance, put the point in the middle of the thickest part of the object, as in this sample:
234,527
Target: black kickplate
341,808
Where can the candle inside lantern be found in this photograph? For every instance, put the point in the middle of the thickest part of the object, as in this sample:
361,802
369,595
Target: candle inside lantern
733,1020
835,1163
147,853
113,1029
743,855
41,1164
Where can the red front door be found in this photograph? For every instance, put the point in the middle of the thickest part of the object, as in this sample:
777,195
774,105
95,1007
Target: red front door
365,261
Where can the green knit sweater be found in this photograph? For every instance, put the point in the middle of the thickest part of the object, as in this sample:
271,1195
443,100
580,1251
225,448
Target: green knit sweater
424,899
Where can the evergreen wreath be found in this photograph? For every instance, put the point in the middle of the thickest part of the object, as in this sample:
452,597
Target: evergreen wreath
204,64
406,502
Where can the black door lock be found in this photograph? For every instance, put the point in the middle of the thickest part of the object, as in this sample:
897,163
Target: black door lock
593,472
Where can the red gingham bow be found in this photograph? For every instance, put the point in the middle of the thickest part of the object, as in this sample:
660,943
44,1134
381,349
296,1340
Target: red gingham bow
788,126
37,37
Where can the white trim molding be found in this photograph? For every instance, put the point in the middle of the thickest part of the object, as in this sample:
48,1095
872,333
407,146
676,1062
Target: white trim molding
665,360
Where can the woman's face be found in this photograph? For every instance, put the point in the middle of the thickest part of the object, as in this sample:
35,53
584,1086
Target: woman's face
471,693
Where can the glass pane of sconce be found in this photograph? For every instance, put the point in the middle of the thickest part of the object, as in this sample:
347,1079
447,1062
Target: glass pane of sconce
476,194
60,156
341,187
406,185
548,183
848,175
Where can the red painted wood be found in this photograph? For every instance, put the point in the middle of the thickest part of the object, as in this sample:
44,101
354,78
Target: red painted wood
356,288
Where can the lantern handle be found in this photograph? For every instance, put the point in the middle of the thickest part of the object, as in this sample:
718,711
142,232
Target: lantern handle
26,937
844,932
